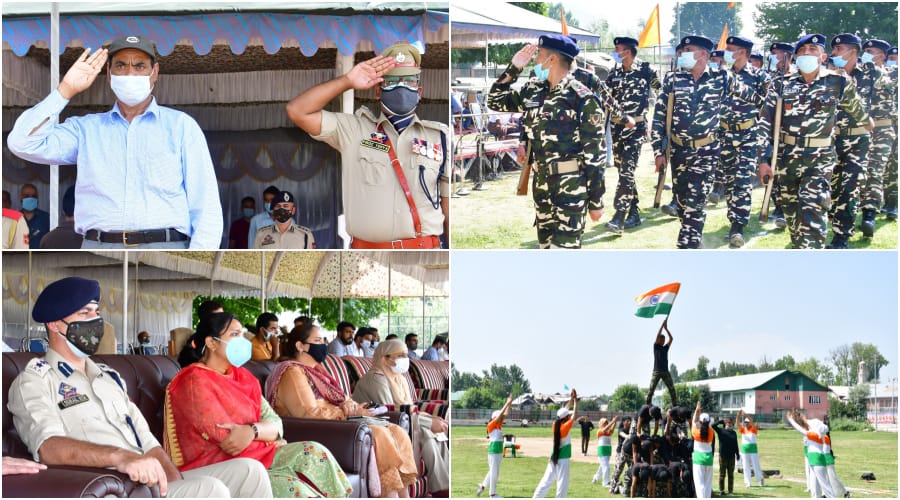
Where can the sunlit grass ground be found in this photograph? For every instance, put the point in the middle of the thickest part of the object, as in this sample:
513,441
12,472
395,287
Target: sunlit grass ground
497,218
856,453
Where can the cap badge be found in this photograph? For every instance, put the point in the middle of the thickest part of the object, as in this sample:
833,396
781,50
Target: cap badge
132,39
400,57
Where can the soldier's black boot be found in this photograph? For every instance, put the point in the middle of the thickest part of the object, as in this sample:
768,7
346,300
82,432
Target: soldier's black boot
671,209
867,226
778,217
838,242
717,194
634,217
617,224
736,235
890,210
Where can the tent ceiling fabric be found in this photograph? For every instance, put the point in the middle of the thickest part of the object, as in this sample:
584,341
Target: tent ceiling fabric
237,29
475,24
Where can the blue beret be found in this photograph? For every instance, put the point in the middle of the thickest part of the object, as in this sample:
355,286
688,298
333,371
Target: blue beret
782,46
740,42
283,197
892,52
757,55
680,46
698,41
625,40
64,297
878,44
717,53
813,38
563,44
846,39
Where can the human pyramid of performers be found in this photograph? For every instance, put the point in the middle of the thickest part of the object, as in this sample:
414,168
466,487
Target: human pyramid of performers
676,458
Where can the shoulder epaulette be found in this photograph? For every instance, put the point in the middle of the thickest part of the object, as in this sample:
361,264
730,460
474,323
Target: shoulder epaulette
38,366
112,373
434,125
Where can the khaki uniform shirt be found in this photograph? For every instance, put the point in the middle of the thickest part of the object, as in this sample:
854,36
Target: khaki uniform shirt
269,238
374,203
51,398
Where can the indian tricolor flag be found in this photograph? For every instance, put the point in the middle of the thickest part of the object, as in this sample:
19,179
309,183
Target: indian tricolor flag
656,301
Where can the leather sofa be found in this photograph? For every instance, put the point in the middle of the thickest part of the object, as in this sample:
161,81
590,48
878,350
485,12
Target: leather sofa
146,378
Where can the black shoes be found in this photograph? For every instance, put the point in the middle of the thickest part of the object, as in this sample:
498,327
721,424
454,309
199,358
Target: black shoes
736,235
634,217
867,226
617,224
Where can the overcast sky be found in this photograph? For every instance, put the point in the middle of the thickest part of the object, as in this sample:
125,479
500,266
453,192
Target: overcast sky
567,318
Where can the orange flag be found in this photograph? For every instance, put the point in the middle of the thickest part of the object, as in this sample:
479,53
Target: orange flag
723,38
562,19
650,36
731,5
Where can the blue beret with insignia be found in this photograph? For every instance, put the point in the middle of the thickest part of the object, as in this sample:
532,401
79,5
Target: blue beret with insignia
846,39
698,41
892,52
814,39
782,46
717,53
625,40
757,56
283,197
878,44
64,297
563,44
740,42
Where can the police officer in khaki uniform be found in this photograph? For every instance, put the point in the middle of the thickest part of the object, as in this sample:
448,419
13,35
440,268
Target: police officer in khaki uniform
69,410
15,230
388,203
284,234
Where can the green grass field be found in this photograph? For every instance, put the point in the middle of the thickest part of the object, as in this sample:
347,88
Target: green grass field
497,218
779,449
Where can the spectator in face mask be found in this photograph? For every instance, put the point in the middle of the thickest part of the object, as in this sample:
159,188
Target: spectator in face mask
265,340
238,234
144,346
362,341
264,218
412,343
434,352
37,219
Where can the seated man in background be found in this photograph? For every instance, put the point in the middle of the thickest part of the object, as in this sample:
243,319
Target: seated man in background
265,339
433,353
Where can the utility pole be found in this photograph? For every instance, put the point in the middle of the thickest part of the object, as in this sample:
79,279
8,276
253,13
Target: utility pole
678,21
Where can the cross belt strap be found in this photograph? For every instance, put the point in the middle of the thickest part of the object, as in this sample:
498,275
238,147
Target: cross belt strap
398,169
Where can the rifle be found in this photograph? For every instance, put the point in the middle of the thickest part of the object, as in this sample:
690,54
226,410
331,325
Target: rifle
522,187
662,171
776,139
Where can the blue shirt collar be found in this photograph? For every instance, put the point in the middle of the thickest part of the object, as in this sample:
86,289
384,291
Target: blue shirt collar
153,108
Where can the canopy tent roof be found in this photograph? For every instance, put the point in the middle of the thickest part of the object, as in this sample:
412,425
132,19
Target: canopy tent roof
270,24
294,274
475,24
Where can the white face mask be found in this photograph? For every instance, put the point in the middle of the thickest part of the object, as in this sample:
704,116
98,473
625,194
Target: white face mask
131,89
401,365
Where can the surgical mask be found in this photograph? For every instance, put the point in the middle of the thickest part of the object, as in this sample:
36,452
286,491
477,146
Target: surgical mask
541,73
773,62
29,204
713,66
838,61
366,344
84,336
248,212
687,60
891,63
401,365
616,57
807,64
728,56
237,350
145,343
282,215
131,89
271,333
399,99
318,352
268,207
866,57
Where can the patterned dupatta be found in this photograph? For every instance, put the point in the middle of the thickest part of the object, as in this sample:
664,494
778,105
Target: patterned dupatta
324,385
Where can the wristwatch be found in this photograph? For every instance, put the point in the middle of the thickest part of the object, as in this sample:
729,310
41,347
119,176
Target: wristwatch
255,431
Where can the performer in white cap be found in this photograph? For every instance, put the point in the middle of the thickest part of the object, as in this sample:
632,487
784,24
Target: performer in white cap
704,437
495,448
558,466
749,451
815,452
604,449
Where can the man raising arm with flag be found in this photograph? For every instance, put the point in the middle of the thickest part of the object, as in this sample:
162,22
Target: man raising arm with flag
661,364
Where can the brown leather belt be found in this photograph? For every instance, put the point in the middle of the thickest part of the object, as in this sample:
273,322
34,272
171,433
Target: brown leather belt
420,243
129,238
693,143
883,123
806,142
850,131
744,125
619,121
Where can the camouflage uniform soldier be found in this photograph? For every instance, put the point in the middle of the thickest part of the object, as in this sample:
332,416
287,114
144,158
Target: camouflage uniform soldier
851,140
778,65
757,60
716,62
811,98
740,147
884,106
699,94
563,121
890,173
630,83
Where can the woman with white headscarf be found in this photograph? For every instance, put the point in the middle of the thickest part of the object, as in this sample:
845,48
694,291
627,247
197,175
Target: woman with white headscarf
384,384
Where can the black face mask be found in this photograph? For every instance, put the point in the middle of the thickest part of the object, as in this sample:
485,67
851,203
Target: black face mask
318,352
282,215
85,335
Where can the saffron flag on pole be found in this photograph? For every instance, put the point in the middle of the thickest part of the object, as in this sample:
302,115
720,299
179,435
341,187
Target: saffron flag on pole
656,301
562,19
723,38
650,36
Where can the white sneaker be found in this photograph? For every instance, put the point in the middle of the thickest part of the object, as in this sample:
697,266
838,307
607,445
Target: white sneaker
480,490
594,481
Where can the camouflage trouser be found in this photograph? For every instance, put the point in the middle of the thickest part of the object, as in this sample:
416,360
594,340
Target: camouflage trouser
560,203
803,192
873,195
849,174
666,377
626,149
890,176
692,171
624,461
739,153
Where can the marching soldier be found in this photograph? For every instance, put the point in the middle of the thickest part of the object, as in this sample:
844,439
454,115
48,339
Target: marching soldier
631,83
698,96
811,98
756,60
671,209
851,140
717,59
890,172
563,120
780,54
740,147
884,105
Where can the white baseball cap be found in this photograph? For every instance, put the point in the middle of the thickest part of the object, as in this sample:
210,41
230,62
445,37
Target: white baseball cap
704,417
563,413
495,414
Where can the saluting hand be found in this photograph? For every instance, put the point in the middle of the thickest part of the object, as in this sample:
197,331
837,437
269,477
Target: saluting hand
83,73
238,439
368,74
524,55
